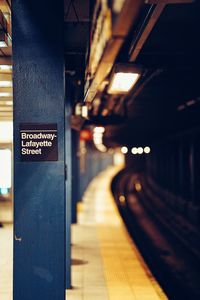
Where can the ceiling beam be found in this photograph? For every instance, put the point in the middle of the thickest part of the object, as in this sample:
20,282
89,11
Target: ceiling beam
5,7
120,30
137,47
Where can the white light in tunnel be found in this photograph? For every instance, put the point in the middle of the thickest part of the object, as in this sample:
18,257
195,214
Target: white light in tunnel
134,150
99,129
6,132
5,94
140,150
5,163
117,5
3,44
101,147
122,82
98,141
5,67
9,102
4,191
5,83
85,111
147,150
98,138
124,149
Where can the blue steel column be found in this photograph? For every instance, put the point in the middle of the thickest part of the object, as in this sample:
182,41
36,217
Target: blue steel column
39,187
68,193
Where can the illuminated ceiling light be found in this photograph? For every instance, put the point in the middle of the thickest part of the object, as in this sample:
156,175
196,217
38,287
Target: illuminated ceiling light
5,83
5,67
123,78
122,82
78,109
101,147
140,150
5,94
6,131
138,186
122,200
98,141
99,130
117,5
124,149
134,150
97,134
9,103
85,111
147,150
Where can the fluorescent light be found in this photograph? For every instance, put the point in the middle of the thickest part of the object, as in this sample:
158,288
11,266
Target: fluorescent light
117,5
6,131
9,103
101,147
122,82
5,175
3,44
5,94
147,150
5,83
140,150
99,130
5,67
4,191
85,111
124,150
138,186
134,150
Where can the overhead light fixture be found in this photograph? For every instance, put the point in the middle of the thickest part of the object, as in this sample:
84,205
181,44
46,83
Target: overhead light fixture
99,129
5,94
98,138
5,83
124,150
147,150
5,67
101,147
123,79
134,150
85,111
140,150
9,103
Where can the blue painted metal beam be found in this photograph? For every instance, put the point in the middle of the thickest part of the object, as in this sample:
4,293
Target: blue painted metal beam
39,187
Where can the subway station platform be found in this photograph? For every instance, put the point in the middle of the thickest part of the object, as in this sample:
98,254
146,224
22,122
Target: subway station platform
106,264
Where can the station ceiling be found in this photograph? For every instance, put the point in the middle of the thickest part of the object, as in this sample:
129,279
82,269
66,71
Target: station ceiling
163,41
159,36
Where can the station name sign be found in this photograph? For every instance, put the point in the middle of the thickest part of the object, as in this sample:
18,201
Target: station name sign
38,142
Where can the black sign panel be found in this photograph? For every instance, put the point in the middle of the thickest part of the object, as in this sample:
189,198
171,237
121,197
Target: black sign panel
38,142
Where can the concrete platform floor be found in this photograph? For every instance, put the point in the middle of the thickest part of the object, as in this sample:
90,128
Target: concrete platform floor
106,264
